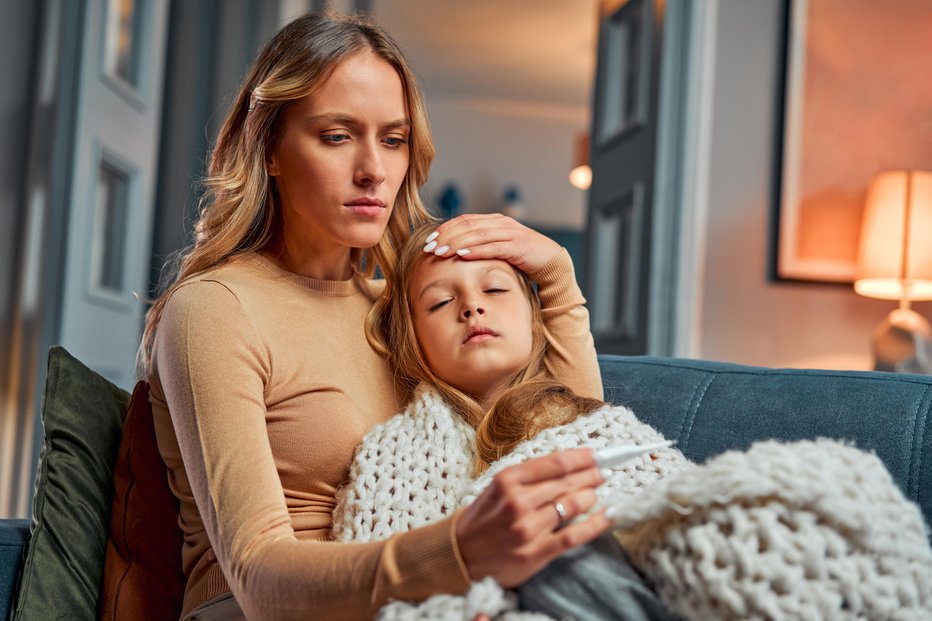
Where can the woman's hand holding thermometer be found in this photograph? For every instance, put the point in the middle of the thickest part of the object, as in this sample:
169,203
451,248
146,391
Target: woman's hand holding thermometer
614,456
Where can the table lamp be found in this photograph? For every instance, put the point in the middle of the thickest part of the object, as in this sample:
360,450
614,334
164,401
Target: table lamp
895,263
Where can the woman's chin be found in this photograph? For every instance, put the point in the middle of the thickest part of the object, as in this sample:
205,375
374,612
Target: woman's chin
365,236
365,242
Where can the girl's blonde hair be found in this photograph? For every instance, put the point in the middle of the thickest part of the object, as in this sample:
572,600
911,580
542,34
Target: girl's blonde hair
240,210
533,400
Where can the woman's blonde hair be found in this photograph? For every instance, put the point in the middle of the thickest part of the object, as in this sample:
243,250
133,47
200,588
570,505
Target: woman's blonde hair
533,400
240,210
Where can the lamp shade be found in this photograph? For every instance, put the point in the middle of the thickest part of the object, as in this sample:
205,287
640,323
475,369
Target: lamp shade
895,252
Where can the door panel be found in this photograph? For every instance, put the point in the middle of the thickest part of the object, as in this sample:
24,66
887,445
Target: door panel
623,166
113,189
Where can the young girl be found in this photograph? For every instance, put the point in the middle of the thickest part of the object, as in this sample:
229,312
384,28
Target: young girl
466,336
799,530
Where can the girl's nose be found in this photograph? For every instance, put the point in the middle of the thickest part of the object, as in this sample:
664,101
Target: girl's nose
472,309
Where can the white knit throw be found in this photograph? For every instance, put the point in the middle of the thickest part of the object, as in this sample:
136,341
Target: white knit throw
811,530
416,469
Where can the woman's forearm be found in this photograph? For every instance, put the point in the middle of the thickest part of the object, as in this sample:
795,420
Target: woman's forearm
571,356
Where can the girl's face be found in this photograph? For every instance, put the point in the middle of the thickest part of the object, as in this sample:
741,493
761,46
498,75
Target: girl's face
342,156
473,323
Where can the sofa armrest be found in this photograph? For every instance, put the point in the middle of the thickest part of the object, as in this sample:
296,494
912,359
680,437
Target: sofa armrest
13,537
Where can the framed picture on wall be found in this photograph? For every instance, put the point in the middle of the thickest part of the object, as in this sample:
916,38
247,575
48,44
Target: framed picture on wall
857,101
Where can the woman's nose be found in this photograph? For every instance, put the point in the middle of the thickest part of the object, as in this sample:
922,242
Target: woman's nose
370,170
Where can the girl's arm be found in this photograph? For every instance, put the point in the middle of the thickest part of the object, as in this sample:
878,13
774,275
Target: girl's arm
571,356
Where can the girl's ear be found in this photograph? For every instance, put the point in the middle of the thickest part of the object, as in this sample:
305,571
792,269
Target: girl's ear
271,164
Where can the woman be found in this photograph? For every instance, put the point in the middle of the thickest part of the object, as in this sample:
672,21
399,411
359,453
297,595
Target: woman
262,381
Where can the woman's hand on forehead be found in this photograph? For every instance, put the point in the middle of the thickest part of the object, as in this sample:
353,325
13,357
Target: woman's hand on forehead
493,236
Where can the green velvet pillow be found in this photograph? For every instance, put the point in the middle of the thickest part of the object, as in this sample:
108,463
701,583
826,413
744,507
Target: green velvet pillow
83,418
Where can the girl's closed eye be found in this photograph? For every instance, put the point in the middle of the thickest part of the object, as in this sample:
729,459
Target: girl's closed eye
492,286
439,305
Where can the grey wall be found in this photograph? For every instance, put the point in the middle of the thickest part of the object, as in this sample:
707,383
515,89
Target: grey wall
745,318
18,42
485,146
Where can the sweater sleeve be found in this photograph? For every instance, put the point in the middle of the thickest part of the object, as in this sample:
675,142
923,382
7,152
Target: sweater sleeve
213,369
571,356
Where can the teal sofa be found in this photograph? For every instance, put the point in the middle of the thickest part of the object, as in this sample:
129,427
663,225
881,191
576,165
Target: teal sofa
708,408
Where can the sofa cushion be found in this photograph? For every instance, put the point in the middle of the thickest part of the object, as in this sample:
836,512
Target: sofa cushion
142,571
82,414
711,407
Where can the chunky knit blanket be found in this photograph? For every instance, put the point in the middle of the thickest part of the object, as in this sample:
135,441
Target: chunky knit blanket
811,530
416,468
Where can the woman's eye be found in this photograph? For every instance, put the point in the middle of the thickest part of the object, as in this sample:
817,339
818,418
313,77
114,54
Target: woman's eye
439,305
395,141
335,138
496,290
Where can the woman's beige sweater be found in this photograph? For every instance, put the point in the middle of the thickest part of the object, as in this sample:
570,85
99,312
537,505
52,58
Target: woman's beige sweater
262,385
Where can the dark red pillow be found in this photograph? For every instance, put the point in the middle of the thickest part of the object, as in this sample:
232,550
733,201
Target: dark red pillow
142,570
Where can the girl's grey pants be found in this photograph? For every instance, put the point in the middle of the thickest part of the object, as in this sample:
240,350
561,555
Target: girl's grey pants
594,582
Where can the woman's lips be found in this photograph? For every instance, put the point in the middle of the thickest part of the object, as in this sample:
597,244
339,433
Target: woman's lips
369,211
366,207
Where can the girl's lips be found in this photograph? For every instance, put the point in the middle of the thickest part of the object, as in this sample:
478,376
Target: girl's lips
479,338
478,334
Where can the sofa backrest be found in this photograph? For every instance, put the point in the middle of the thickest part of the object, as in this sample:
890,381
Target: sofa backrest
711,407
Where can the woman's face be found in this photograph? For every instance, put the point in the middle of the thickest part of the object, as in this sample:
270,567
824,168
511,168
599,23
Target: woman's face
342,156
473,322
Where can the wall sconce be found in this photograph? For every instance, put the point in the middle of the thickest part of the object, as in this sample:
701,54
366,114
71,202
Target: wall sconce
895,263
581,174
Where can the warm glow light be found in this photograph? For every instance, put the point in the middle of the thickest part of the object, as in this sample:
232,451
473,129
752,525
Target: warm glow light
895,255
581,174
581,177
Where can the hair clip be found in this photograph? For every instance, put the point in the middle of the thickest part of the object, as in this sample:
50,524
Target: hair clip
253,100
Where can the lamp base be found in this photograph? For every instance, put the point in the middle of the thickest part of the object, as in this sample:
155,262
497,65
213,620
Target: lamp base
903,343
